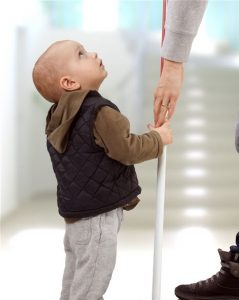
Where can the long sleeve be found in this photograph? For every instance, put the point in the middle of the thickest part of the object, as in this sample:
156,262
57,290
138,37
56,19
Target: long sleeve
112,132
182,22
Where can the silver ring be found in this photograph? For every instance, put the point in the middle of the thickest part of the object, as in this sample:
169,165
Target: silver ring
165,105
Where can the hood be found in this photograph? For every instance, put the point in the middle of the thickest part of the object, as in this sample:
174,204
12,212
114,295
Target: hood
60,117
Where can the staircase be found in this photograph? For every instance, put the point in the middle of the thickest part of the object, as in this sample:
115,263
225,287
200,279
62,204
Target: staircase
202,178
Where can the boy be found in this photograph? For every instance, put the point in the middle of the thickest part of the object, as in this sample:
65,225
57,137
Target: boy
92,153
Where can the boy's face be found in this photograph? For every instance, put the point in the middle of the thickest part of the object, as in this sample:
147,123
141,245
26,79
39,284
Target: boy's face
84,68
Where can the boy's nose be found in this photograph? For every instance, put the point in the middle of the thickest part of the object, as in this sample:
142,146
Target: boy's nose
93,54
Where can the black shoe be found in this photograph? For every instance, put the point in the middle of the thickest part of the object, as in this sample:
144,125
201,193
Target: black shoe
222,286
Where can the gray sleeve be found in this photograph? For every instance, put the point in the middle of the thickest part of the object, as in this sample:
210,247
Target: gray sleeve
237,136
182,22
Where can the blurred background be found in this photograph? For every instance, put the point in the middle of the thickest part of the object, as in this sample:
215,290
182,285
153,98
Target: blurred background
202,179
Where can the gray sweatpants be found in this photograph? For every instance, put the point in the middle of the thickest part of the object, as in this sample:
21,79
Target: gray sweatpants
90,246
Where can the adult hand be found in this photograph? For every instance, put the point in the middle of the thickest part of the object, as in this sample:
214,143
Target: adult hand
167,91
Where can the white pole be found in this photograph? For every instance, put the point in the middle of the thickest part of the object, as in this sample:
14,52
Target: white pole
158,237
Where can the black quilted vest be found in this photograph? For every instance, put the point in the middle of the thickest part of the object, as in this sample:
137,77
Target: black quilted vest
88,181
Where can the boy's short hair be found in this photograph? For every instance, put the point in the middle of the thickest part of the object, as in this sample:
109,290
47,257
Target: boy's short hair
46,75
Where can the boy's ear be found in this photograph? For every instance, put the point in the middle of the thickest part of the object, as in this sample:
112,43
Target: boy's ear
69,84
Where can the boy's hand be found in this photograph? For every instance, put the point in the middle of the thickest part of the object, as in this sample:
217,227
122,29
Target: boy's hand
164,131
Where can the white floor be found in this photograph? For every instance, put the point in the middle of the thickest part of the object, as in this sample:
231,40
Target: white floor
201,208
33,258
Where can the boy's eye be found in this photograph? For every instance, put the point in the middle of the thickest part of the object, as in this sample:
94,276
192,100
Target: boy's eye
80,53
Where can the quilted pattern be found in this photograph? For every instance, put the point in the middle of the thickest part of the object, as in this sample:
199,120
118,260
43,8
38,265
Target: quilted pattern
89,182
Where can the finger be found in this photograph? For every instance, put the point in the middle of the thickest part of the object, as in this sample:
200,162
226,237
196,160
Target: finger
150,126
157,106
166,124
161,119
169,118
162,116
170,106
171,110
166,101
163,112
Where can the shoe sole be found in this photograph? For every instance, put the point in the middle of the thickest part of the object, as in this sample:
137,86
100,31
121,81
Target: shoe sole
208,298
214,298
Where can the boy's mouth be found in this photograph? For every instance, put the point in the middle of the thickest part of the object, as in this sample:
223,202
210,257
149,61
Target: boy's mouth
101,64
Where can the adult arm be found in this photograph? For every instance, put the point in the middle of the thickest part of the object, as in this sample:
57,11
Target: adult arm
182,22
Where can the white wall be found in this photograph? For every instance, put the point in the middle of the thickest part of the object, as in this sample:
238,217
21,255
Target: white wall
8,121
14,95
